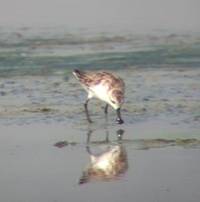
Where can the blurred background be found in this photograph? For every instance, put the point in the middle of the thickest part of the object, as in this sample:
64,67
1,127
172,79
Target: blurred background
154,45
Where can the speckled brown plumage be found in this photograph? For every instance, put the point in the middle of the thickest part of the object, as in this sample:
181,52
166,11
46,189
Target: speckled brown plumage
95,78
103,85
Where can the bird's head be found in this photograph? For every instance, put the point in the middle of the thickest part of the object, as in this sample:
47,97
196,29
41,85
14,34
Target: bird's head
116,99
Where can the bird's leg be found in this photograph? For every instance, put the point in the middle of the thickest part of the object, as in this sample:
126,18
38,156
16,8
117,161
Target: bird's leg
88,141
106,109
86,111
119,119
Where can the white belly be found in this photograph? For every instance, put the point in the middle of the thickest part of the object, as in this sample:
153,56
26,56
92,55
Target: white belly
100,92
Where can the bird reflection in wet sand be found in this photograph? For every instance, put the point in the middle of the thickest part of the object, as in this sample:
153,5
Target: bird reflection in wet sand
108,165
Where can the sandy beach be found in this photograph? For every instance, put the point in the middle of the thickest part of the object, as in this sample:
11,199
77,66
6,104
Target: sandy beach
44,139
49,152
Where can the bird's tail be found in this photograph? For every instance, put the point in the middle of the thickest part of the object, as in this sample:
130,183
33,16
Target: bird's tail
82,77
78,74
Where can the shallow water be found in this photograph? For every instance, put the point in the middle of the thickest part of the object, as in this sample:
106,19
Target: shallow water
45,162
47,51
46,144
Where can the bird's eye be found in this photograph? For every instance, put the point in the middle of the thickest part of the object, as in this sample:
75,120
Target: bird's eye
113,101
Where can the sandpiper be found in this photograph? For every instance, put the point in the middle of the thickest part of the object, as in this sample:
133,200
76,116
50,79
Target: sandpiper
104,86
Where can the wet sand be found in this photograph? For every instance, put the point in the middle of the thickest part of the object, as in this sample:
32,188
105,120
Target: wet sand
49,153
44,162
170,93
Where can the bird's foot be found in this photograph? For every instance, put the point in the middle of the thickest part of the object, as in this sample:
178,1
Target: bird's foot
119,121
